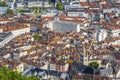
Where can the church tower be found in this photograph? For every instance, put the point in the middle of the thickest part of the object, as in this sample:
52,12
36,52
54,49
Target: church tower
85,55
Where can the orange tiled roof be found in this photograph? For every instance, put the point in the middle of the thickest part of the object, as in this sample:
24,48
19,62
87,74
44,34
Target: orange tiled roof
4,19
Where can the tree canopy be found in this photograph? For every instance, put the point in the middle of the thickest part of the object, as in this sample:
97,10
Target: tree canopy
59,6
70,0
10,12
3,4
37,37
94,64
7,74
52,1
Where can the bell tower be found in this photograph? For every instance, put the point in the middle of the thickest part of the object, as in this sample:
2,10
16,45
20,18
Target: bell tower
85,55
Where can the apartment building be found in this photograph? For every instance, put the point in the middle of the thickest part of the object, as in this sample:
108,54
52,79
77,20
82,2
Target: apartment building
34,3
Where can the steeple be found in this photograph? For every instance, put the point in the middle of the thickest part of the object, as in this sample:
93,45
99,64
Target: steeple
85,55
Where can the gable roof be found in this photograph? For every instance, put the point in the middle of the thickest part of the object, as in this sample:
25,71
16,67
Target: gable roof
83,68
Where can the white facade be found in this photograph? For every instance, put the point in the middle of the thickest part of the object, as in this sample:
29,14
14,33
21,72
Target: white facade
14,34
52,67
48,14
62,68
115,33
6,56
75,14
66,67
21,31
1,30
76,9
64,26
6,40
44,67
110,10
3,22
101,35
38,4
118,74
20,5
77,4
20,67
23,53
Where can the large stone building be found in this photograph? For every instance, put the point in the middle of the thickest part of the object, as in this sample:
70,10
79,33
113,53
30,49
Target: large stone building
33,3
64,26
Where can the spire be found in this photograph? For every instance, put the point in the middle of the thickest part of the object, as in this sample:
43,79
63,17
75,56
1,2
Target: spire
85,55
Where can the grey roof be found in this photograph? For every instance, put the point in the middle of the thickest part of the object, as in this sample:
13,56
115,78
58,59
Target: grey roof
3,9
82,68
107,71
4,35
104,62
25,11
50,72
117,55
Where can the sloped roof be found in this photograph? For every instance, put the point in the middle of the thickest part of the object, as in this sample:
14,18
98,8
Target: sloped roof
83,68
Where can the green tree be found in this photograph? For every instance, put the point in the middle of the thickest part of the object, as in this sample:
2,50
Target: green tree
70,0
37,37
3,4
94,64
52,1
7,74
10,12
59,6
